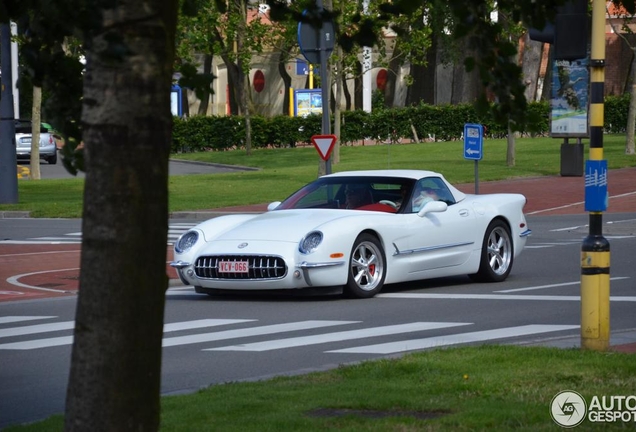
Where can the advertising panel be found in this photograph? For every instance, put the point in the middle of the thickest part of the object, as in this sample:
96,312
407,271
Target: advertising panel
307,102
570,97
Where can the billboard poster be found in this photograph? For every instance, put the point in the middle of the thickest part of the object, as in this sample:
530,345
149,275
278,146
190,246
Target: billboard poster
570,97
307,102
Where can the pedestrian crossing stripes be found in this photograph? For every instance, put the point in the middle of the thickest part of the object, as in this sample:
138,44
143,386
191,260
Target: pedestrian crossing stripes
249,328
462,338
338,337
174,232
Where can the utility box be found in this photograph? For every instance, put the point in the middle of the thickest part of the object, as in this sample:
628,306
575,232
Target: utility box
572,160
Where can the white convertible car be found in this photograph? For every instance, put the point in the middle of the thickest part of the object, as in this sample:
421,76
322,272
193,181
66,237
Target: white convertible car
358,231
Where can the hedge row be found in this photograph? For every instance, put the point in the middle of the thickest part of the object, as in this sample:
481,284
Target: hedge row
420,123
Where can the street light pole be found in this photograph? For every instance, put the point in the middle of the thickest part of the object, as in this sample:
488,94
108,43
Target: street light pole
595,251
8,167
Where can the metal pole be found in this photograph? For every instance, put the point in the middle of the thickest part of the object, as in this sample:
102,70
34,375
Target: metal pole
476,177
324,84
367,53
8,166
14,71
595,251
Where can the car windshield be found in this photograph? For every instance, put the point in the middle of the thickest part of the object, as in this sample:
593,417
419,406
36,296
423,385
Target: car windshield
353,193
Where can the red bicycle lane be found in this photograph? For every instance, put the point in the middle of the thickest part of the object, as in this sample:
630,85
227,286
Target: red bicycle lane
32,271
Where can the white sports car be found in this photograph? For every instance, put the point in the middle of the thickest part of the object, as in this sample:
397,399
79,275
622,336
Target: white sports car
358,231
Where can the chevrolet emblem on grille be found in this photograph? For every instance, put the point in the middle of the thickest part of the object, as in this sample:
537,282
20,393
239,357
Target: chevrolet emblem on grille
242,245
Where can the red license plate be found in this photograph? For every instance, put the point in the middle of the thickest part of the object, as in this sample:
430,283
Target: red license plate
233,267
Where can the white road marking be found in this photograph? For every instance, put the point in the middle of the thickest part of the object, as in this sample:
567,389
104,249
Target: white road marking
174,231
13,280
338,336
13,319
462,338
35,241
253,331
421,296
38,328
552,285
68,340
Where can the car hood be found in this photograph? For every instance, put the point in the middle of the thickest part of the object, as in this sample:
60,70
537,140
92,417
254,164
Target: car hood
285,225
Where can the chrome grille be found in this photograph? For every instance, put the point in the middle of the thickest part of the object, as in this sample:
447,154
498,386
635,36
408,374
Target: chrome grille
260,267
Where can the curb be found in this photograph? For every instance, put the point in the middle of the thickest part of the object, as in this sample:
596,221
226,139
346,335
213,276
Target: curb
218,165
14,214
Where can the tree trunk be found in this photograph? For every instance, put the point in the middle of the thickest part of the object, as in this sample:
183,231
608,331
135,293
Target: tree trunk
232,81
357,86
466,85
510,149
391,80
546,93
243,67
415,92
631,114
337,112
207,69
531,66
287,80
115,371
430,73
36,124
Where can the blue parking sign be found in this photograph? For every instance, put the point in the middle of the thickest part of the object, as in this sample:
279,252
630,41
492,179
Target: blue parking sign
596,185
473,141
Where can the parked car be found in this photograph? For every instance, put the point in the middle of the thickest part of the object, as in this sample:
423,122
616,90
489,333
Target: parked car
48,146
357,230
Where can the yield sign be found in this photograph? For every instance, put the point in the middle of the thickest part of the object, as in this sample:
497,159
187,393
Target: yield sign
324,144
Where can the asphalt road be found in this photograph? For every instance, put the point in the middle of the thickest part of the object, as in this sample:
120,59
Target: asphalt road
211,340
175,167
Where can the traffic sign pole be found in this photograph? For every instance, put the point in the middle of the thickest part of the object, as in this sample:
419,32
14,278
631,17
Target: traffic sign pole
322,40
473,147
324,84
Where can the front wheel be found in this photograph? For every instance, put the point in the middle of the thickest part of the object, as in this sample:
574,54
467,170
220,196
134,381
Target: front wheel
496,254
367,268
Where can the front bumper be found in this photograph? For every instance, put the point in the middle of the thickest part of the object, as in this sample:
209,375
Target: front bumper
301,275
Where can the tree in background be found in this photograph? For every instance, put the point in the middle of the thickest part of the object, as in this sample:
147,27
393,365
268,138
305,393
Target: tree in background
226,30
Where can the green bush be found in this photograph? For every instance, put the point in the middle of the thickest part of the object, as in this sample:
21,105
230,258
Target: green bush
615,117
423,122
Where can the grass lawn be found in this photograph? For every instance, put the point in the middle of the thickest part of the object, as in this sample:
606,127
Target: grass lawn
479,388
282,171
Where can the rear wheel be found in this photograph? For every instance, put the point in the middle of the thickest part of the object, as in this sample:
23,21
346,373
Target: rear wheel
367,268
52,160
496,254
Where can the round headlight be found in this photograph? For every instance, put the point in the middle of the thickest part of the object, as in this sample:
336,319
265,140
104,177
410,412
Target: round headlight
186,241
310,242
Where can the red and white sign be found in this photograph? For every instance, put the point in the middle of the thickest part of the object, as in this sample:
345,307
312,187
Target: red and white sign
324,144
233,267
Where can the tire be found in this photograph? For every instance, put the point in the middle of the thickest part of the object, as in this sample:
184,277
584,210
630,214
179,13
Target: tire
367,268
497,255
53,159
